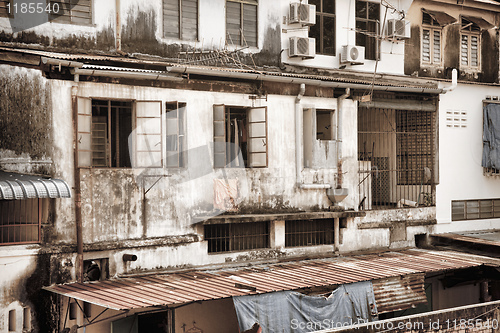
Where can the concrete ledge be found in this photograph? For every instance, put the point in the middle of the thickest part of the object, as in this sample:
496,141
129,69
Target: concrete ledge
221,219
390,224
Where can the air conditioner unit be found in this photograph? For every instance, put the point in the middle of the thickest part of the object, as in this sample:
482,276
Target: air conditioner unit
302,13
302,47
398,29
352,54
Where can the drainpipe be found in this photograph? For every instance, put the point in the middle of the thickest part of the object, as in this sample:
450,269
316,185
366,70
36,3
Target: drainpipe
338,138
299,150
454,81
78,195
118,39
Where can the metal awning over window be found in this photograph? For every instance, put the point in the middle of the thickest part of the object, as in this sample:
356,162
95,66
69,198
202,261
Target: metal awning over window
401,286
15,186
480,22
441,17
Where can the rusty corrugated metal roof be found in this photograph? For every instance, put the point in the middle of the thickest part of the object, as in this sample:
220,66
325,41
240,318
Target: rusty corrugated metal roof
399,292
197,285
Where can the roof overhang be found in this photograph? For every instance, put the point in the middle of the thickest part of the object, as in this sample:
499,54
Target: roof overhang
441,17
480,22
176,289
15,186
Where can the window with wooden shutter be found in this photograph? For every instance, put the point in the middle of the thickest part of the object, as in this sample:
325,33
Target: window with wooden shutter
148,134
241,22
175,134
84,140
469,44
431,46
6,9
180,19
240,137
71,11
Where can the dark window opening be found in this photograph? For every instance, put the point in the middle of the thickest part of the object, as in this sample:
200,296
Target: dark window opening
237,236
309,232
324,29
73,310
325,125
241,22
71,11
180,19
367,27
475,209
20,220
87,309
12,321
153,322
111,128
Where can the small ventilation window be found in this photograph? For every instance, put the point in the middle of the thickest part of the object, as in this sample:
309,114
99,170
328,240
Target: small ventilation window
475,209
308,232
12,321
237,236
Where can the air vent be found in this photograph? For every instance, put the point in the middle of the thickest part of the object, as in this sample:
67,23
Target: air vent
302,47
302,13
398,29
353,54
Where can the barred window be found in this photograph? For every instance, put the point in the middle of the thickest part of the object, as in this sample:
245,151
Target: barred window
308,232
237,236
180,19
71,11
475,209
20,220
414,139
241,22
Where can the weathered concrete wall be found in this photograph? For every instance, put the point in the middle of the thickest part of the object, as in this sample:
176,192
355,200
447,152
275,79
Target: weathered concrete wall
450,44
25,121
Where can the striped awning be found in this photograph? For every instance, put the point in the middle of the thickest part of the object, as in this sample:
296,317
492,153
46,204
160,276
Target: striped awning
16,186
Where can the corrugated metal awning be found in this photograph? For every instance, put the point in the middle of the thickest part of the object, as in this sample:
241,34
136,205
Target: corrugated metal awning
15,186
441,17
180,288
400,292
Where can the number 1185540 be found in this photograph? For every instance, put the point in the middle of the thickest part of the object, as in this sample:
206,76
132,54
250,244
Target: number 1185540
32,8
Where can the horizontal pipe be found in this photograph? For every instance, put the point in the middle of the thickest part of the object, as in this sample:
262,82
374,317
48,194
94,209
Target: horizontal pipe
314,186
404,104
127,75
129,257
60,62
285,79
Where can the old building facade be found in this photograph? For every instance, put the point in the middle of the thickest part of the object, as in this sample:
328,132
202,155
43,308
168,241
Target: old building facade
218,134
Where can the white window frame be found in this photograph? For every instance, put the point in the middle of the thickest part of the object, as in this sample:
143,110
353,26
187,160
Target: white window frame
469,50
432,30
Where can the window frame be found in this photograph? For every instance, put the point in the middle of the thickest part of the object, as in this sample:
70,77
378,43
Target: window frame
312,232
15,208
320,17
474,205
58,18
242,39
144,113
223,238
221,140
367,20
180,135
181,21
470,36
432,30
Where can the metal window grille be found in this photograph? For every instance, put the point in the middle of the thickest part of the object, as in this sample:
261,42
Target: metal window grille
396,158
20,221
308,232
237,236
475,209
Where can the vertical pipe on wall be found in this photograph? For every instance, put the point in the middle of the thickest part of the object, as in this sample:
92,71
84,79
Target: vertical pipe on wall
78,197
336,234
338,138
118,29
